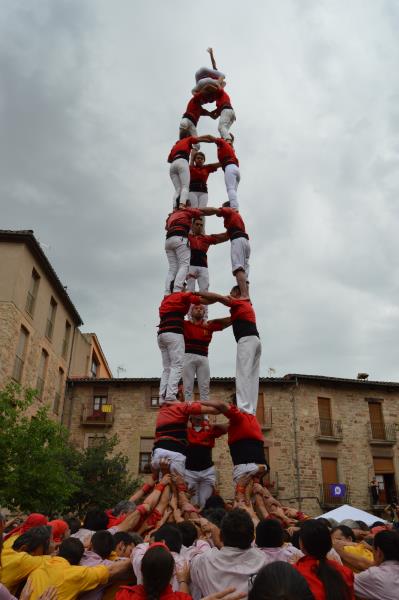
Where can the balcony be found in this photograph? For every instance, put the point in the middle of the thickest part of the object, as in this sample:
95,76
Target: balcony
380,434
97,418
328,430
329,499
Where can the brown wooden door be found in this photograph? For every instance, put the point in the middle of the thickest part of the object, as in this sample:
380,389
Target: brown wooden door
329,470
260,408
324,405
376,421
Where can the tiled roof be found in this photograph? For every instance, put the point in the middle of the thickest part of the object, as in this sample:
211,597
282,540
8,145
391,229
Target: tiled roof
288,379
26,236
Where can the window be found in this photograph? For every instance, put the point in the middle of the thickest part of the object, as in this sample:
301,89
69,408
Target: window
326,426
376,421
58,393
32,292
51,319
41,377
67,336
154,400
95,363
146,445
94,441
20,355
99,402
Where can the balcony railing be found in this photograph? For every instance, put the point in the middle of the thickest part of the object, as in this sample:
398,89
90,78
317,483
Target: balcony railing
329,430
18,368
30,303
329,498
98,417
381,433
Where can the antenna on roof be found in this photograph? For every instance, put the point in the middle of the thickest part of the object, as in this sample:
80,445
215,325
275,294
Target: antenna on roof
271,372
120,370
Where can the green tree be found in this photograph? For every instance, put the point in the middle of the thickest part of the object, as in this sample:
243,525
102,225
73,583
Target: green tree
104,476
39,466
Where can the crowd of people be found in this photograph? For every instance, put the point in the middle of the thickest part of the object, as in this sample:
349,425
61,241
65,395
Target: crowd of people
176,538
160,545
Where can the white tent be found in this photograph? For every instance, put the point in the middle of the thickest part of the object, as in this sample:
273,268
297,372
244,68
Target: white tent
350,512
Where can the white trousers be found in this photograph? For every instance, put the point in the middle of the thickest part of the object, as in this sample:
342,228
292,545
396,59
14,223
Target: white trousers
249,350
201,276
244,469
171,346
198,199
177,460
187,128
226,120
180,175
196,365
240,251
178,254
201,483
231,179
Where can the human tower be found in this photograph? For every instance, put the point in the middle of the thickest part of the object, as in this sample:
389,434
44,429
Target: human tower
184,438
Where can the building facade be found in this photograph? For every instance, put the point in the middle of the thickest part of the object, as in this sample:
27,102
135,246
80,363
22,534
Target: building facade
40,341
325,438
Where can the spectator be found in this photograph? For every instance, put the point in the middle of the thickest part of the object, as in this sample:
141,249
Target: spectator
381,582
28,552
73,524
33,520
270,539
375,491
70,580
279,580
125,543
326,578
354,554
157,568
234,563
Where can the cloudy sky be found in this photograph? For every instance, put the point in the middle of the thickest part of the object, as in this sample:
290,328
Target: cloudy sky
90,101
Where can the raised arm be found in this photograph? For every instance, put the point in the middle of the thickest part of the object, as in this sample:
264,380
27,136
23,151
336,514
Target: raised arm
224,322
209,211
212,297
210,139
210,52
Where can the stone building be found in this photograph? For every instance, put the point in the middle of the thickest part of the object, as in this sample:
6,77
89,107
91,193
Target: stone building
40,341
319,431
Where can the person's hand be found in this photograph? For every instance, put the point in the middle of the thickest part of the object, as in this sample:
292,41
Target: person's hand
166,479
177,479
183,572
164,465
257,489
291,530
227,594
209,50
214,115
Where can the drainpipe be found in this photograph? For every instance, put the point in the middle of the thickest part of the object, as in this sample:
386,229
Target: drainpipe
67,394
296,450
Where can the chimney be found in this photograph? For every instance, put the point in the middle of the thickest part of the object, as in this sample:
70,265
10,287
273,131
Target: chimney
363,376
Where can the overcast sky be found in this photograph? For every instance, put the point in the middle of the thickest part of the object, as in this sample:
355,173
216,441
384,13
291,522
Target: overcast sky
91,96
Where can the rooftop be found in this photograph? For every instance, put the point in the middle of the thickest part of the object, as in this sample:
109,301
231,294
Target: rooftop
26,236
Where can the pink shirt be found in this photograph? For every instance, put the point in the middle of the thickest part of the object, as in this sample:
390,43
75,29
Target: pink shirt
379,583
286,553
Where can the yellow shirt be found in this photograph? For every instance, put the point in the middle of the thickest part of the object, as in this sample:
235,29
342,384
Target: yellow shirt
9,542
16,566
360,551
69,580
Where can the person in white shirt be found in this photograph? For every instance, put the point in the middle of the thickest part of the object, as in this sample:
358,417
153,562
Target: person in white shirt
382,581
235,563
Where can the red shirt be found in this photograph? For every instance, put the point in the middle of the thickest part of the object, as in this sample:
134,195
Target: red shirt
182,148
243,318
199,177
222,100
226,154
206,437
137,592
194,108
198,336
242,426
171,425
232,221
173,309
199,245
307,567
179,221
